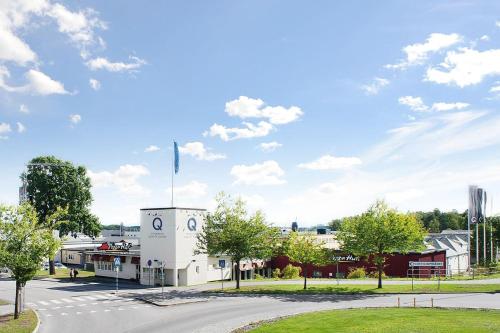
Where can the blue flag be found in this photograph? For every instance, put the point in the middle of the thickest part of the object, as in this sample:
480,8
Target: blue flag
176,157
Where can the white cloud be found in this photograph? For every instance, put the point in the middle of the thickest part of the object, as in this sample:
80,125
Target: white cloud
75,118
94,84
38,83
151,149
193,190
124,179
497,24
20,128
233,133
23,108
417,54
495,89
374,87
465,67
198,150
5,128
245,107
266,173
485,38
270,146
329,162
415,103
449,106
12,48
103,63
78,26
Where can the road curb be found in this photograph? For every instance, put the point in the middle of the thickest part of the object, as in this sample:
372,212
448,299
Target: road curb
38,321
156,303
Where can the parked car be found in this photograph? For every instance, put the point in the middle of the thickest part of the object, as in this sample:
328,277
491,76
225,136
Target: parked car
59,265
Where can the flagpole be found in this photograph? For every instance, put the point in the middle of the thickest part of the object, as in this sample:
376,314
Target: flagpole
173,167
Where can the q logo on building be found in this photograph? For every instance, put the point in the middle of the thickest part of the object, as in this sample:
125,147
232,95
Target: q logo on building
157,223
191,224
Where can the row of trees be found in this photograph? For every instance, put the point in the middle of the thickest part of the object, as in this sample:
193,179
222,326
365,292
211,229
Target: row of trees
374,234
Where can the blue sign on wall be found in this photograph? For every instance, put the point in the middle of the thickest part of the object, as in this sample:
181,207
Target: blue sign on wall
222,263
117,262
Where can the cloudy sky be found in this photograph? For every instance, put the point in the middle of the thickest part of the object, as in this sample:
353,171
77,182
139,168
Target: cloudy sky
307,111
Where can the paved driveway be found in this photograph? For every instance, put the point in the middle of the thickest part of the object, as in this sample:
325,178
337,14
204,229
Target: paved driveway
81,307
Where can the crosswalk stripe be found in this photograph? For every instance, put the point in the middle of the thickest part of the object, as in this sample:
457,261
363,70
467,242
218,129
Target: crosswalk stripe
107,310
31,304
67,300
43,302
80,299
55,301
64,314
90,298
101,296
78,313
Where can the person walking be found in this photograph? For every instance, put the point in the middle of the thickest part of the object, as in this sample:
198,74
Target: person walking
71,274
75,273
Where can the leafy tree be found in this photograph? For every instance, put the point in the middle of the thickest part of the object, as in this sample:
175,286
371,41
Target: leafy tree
335,224
23,245
230,231
51,184
381,231
305,250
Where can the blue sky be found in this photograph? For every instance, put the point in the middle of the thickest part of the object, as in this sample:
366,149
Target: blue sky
307,111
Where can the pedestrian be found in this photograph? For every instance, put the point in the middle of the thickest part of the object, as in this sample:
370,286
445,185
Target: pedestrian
71,274
75,273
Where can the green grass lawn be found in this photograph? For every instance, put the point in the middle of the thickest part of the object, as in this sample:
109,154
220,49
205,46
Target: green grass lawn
388,320
63,273
26,323
362,289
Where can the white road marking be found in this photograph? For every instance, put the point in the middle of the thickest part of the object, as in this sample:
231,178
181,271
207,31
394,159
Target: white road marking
78,313
79,298
101,296
107,310
93,311
82,304
64,314
55,301
49,315
31,304
42,309
69,306
55,308
120,309
95,303
90,298
43,302
67,300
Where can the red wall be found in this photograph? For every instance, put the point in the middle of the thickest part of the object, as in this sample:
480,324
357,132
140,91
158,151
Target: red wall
395,265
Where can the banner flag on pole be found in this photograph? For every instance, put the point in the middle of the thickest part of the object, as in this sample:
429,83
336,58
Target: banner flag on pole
176,158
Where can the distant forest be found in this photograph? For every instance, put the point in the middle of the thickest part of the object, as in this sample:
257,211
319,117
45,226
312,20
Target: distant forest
435,221
117,227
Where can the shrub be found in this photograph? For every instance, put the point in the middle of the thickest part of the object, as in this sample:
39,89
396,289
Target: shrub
258,277
374,274
276,273
356,273
291,272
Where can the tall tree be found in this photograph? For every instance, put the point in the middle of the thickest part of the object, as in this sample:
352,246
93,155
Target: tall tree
230,231
23,245
305,250
52,184
381,231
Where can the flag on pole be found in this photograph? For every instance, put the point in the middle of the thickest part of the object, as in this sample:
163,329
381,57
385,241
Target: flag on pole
176,158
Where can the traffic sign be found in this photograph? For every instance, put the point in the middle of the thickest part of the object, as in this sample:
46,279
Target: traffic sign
426,264
117,262
150,262
222,263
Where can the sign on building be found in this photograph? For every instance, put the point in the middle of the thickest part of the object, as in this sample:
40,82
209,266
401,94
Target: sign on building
426,264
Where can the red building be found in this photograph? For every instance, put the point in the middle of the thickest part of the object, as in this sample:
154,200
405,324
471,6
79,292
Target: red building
396,265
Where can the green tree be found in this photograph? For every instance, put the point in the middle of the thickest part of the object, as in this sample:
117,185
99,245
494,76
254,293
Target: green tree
335,224
230,231
306,250
381,231
51,184
23,245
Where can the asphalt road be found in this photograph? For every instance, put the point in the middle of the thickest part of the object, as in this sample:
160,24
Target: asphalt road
93,307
